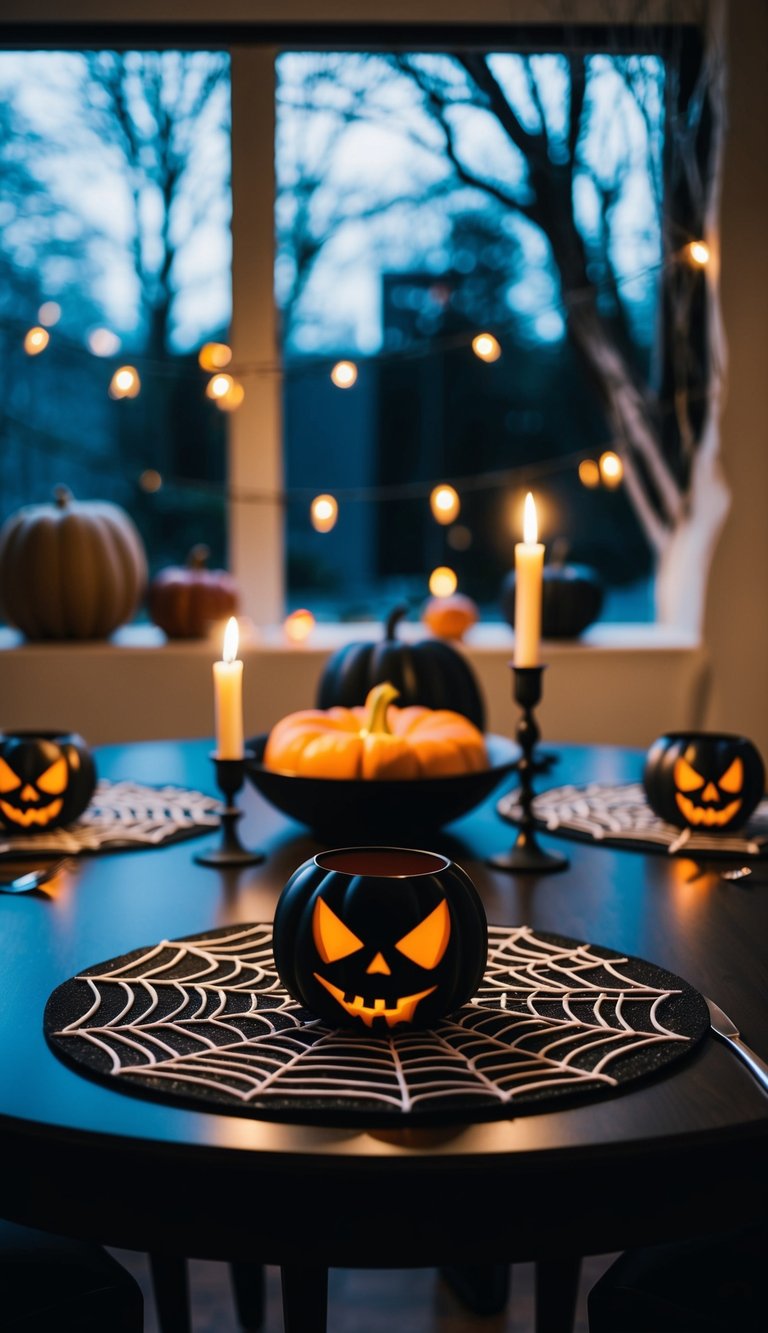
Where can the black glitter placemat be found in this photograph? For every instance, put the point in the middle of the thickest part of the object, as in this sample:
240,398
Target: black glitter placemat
620,816
205,1022
123,815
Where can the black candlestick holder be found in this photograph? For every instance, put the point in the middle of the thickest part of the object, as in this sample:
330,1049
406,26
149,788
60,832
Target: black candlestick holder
230,774
525,854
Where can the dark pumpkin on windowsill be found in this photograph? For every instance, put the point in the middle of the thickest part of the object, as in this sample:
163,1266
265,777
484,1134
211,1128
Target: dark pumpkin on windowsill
571,599
185,600
429,672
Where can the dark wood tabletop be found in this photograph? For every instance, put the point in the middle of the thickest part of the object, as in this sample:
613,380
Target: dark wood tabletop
677,1155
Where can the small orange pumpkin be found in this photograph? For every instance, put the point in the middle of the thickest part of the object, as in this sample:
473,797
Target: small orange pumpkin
377,740
450,617
186,601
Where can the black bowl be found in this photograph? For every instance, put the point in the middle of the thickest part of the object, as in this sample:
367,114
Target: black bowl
355,811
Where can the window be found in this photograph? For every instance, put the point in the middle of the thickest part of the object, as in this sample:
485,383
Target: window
546,191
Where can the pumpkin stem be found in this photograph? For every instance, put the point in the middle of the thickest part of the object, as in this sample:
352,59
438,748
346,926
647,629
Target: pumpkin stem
392,620
63,496
377,702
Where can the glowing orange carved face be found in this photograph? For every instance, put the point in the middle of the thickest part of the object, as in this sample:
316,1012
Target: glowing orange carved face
424,945
706,802
43,782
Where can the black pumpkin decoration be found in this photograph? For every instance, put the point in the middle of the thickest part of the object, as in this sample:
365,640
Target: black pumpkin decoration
430,672
46,780
704,780
375,937
571,599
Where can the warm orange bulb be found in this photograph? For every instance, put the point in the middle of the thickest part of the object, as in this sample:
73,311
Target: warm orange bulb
219,386
125,383
36,340
698,253
344,374
442,581
611,469
214,356
445,504
323,513
589,473
486,347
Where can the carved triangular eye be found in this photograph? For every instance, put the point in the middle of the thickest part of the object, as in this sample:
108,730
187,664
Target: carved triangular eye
54,779
686,778
333,940
733,778
427,942
8,779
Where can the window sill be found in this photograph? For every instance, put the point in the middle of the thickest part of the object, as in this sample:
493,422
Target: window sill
618,683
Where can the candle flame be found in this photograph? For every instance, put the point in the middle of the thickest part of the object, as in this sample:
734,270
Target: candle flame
530,524
231,640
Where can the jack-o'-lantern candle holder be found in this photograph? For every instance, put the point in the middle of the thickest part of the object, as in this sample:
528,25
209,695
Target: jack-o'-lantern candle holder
703,780
377,938
47,779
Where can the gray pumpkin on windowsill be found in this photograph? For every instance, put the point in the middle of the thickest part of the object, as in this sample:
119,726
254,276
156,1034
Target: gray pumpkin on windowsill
571,597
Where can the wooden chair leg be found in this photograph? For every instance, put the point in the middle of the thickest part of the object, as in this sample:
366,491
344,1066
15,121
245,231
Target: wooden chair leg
248,1286
171,1289
305,1298
482,1288
557,1286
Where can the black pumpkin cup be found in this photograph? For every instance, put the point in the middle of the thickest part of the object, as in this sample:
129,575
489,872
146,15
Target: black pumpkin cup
47,779
380,938
708,781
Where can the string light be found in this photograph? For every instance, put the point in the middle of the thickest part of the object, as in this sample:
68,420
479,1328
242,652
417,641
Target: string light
611,469
214,356
150,481
698,253
125,383
459,538
219,386
299,625
445,504
49,313
323,513
486,347
344,374
231,400
103,342
589,473
443,581
36,340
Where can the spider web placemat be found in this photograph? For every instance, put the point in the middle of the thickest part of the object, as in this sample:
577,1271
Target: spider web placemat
619,816
205,1022
122,815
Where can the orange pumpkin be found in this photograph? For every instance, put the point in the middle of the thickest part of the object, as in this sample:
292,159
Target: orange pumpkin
450,617
186,601
377,740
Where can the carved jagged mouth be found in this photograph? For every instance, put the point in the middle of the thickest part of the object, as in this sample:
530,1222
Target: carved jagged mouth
402,1012
706,814
32,815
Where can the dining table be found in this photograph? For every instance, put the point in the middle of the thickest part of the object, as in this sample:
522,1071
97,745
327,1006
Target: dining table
680,1154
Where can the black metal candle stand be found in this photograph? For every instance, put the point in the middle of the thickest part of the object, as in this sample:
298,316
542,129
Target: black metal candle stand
526,855
230,774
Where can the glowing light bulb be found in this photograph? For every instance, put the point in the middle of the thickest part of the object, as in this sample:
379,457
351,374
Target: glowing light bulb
103,342
611,469
231,400
299,625
214,356
36,340
49,313
323,513
486,347
442,581
344,374
445,504
125,383
150,480
219,386
698,253
589,473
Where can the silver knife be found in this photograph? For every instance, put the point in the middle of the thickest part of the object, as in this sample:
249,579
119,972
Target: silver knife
724,1028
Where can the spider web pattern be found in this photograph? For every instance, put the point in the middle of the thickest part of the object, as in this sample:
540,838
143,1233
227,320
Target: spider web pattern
621,817
124,815
207,1021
